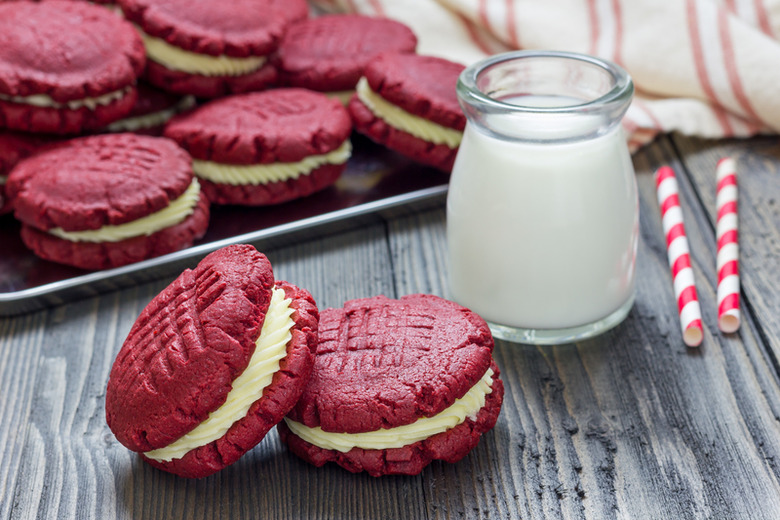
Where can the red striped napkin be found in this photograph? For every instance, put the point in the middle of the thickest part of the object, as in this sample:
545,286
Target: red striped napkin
701,67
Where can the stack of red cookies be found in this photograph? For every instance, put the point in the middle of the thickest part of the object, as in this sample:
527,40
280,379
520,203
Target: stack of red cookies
261,97
226,352
122,124
69,77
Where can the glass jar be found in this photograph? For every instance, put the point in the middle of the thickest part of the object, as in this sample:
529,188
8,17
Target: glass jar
542,209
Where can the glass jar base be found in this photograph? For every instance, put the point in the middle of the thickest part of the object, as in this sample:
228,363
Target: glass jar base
559,336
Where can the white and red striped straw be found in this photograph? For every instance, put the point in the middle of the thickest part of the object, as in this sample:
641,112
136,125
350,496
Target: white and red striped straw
678,253
727,262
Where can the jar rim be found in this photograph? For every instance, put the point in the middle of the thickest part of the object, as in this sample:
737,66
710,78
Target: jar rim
621,92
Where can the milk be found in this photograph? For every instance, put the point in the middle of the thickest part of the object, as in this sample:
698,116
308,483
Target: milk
542,235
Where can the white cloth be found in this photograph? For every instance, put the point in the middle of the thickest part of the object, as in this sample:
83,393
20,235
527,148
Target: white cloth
709,68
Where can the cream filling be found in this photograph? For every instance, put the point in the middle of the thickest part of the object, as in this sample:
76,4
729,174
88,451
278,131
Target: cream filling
255,174
46,101
176,58
178,210
467,406
132,124
247,388
342,95
399,118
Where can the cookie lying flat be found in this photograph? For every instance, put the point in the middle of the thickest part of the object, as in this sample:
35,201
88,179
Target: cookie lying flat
408,103
108,200
152,109
265,147
328,53
14,146
209,49
65,66
212,364
396,384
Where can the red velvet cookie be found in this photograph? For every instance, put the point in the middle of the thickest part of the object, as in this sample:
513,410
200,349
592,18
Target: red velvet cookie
408,103
14,146
417,371
265,147
153,108
65,66
329,53
190,377
108,200
210,49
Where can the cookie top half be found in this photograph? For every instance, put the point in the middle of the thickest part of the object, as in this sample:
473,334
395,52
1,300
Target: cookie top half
66,50
279,125
90,182
329,53
238,28
382,363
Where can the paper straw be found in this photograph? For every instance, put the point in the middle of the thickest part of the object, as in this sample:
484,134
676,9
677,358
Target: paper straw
679,258
727,262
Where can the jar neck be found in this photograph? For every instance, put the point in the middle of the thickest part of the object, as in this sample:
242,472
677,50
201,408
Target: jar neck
544,96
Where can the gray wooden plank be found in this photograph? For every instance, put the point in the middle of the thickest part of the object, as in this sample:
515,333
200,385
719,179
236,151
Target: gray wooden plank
419,253
20,342
338,267
629,425
65,472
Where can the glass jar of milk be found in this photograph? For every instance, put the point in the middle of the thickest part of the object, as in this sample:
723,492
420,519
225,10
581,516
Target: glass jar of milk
542,210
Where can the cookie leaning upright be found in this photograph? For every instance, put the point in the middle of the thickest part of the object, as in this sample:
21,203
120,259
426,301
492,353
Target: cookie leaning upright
328,53
208,48
65,66
396,384
408,103
108,200
212,363
265,147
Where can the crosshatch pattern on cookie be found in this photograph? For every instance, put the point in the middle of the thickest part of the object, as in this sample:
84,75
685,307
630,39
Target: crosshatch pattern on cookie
165,341
200,330
382,362
360,340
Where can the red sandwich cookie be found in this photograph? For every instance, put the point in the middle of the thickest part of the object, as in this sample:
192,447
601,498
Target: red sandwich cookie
65,66
153,108
108,200
265,147
396,384
329,53
212,364
210,49
14,146
408,103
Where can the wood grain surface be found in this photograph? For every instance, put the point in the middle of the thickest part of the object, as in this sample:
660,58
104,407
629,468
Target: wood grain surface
629,425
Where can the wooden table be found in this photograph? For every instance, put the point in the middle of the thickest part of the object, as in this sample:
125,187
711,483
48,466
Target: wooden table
629,425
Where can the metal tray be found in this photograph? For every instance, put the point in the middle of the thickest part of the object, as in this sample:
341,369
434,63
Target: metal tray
376,182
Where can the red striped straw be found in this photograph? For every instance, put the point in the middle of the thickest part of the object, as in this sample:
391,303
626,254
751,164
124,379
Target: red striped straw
727,262
678,253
